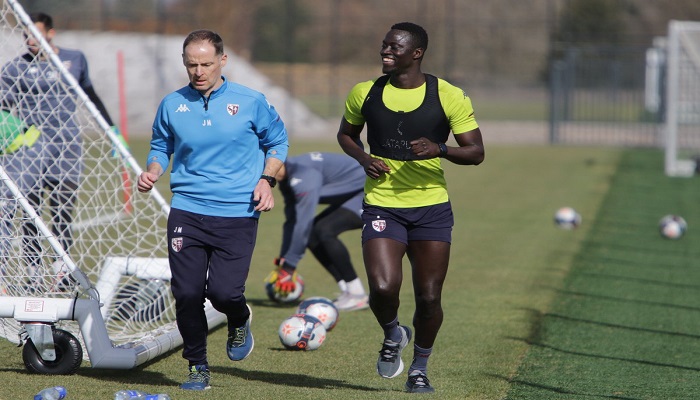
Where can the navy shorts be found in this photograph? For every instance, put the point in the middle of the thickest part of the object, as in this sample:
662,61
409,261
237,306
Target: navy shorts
432,223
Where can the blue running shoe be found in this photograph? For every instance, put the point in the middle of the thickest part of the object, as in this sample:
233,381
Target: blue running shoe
198,378
418,383
389,364
240,341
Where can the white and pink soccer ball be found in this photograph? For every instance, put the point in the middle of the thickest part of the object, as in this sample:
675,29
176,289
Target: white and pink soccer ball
567,218
672,226
321,308
302,332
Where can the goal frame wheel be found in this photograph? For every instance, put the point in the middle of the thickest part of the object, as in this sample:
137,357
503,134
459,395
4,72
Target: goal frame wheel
69,355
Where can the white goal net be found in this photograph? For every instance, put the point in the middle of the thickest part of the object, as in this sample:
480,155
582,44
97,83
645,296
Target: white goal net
95,223
682,116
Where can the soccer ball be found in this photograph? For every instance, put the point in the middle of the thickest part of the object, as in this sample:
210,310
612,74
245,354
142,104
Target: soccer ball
672,227
321,308
567,218
302,332
289,298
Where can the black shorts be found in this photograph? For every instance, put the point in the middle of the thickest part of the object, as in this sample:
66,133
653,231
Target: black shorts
432,223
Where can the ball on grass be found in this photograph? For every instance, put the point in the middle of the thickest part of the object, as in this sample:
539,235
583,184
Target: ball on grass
302,332
567,218
672,226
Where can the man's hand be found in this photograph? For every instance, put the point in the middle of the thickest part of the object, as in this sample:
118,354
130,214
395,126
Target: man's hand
424,147
374,167
263,196
148,179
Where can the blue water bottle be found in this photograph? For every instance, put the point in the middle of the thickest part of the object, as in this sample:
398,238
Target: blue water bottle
52,393
137,394
129,395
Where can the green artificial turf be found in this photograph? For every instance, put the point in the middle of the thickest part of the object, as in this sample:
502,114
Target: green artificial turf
626,324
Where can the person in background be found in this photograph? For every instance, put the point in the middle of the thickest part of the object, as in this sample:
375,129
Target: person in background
306,181
407,211
227,143
47,165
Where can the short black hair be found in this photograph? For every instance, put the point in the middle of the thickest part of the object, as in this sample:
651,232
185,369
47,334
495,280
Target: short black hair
205,35
43,18
419,36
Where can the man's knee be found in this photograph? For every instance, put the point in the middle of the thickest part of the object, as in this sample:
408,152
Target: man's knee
226,300
428,305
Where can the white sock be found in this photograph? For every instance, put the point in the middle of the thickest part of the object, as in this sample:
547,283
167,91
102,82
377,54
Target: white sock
355,287
343,286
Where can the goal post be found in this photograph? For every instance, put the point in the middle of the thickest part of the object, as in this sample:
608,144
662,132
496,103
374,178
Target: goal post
84,262
682,113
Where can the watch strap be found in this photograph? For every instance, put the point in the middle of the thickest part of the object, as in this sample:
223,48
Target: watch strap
443,149
270,179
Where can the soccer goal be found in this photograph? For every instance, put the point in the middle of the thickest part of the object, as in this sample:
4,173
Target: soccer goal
106,291
682,116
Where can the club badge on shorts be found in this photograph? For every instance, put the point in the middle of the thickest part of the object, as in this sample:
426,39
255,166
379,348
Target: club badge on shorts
379,225
176,244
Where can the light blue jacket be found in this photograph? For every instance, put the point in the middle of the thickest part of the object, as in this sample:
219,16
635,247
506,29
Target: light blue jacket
218,146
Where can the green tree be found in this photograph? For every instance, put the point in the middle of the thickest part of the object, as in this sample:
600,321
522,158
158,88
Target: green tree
592,21
280,32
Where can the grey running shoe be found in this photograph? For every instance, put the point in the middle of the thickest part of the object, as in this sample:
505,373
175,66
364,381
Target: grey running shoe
418,383
389,364
198,378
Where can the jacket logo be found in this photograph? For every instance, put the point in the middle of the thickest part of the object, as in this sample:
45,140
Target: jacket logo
232,109
182,108
176,244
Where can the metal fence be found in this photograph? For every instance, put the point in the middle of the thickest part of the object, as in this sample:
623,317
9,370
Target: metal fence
597,96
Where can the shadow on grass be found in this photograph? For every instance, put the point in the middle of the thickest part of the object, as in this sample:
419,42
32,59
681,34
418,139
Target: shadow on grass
293,380
624,327
139,376
132,376
135,376
556,390
572,293
604,357
538,320
621,261
271,304
627,278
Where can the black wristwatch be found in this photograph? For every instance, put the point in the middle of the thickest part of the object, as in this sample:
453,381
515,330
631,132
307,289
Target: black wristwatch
270,179
443,149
